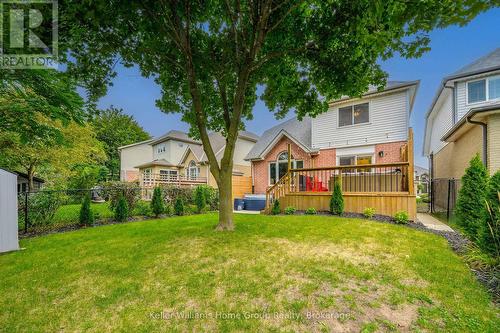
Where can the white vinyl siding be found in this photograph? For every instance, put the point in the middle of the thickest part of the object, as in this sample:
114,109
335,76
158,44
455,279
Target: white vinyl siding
388,122
441,123
463,105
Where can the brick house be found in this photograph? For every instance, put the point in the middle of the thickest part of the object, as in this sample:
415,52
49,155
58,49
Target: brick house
371,129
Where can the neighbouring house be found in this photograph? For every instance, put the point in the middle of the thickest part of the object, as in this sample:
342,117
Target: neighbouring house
345,142
463,120
421,180
175,158
23,182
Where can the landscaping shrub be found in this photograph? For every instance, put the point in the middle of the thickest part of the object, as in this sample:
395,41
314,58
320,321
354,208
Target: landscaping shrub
143,208
171,193
157,204
489,230
401,217
337,200
179,207
212,197
310,211
86,214
42,207
114,190
290,210
470,209
121,210
369,212
276,207
200,198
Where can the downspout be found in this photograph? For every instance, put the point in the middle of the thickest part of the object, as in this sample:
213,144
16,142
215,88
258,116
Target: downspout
485,138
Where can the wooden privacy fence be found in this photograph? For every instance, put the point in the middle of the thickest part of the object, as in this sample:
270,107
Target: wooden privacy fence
241,185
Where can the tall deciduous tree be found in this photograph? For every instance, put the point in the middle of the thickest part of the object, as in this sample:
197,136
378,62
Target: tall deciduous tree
114,129
209,56
28,98
56,158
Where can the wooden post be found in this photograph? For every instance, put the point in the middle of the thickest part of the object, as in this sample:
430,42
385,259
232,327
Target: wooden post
411,166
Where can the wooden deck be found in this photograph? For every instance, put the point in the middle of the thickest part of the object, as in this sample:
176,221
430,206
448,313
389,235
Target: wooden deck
389,188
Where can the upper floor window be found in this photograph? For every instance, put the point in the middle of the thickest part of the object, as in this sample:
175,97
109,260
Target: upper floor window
354,114
483,90
161,149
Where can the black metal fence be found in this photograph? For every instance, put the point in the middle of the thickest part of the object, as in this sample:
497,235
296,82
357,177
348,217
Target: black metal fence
444,194
56,210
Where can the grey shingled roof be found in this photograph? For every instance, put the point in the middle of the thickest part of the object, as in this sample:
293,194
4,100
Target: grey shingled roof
486,63
174,134
299,130
161,162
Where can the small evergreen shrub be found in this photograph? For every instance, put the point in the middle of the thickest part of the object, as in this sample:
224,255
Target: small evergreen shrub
86,214
276,207
310,211
489,231
200,198
121,210
401,217
369,212
157,204
179,207
470,209
337,200
290,210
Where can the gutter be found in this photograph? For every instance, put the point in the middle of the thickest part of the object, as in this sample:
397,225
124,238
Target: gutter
485,137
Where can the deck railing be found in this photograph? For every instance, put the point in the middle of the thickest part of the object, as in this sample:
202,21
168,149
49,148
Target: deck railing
152,180
370,178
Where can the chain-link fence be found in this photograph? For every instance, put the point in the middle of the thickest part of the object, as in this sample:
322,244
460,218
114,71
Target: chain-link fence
57,210
444,194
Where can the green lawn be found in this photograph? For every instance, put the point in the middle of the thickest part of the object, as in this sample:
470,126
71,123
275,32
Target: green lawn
351,275
68,214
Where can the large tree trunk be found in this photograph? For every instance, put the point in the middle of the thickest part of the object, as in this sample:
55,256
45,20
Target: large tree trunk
225,185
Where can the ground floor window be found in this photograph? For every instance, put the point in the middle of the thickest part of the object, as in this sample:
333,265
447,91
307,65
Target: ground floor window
355,160
279,168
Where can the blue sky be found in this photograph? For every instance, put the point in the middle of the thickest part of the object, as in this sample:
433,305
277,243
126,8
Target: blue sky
451,49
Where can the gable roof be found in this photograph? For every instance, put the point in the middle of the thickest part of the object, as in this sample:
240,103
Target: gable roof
389,86
486,63
174,135
297,131
489,62
160,162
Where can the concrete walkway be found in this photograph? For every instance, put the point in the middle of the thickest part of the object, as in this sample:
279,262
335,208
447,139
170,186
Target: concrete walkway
432,223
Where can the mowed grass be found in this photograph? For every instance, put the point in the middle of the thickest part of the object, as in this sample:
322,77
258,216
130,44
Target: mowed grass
68,214
274,273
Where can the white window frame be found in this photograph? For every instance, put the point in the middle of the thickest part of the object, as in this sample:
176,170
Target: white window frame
352,117
356,157
276,166
487,88
170,174
192,166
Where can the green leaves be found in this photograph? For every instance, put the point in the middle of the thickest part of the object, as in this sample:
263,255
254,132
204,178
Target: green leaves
31,100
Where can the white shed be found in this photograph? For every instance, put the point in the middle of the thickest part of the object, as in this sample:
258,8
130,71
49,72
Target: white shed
8,211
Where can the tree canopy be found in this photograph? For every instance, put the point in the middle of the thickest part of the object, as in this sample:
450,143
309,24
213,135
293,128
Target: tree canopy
30,100
209,56
114,129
